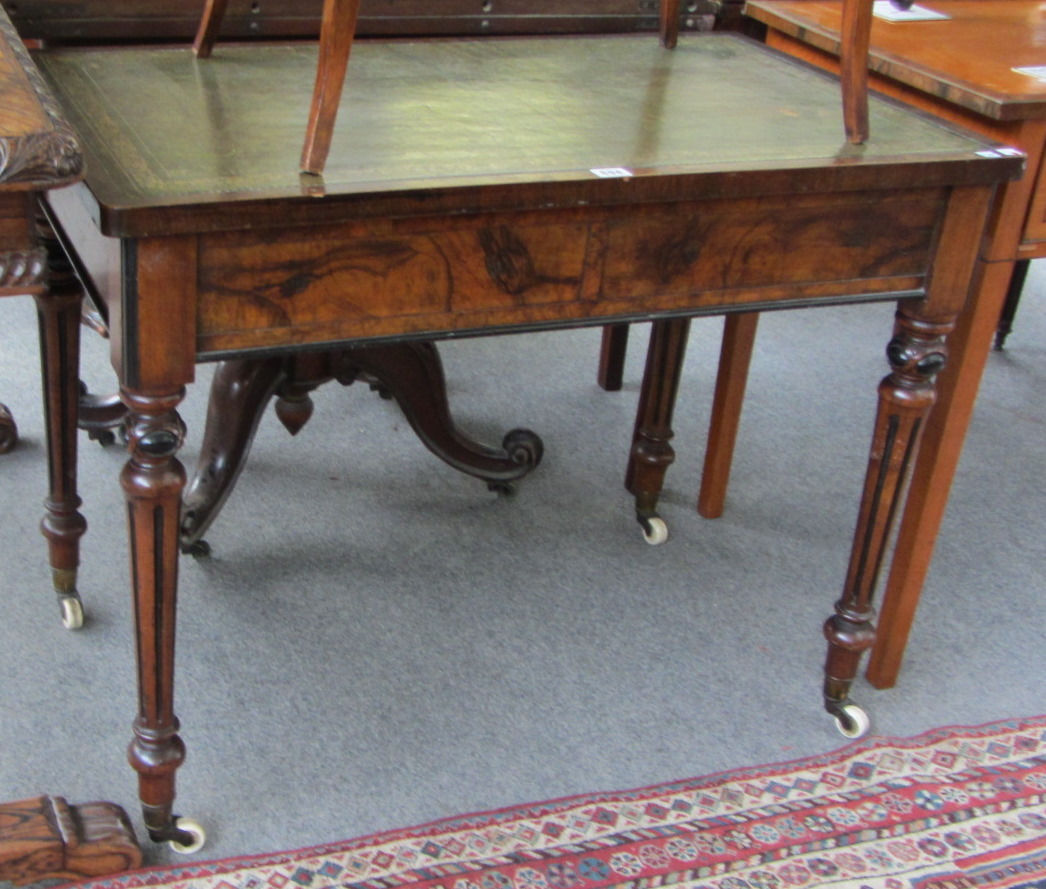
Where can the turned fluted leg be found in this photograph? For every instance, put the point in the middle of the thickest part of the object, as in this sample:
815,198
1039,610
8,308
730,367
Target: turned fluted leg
916,354
58,312
152,481
652,451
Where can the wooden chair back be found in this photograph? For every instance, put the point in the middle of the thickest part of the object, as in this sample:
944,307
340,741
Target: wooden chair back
337,31
106,21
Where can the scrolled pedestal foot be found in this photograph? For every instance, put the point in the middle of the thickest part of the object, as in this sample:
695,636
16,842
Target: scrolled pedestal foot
522,448
412,374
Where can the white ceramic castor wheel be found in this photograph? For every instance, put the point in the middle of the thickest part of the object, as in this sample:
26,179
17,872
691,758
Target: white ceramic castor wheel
196,832
72,612
852,722
655,531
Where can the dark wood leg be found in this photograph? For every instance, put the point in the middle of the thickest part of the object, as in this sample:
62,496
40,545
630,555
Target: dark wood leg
412,373
1013,299
240,390
8,430
612,352
99,415
916,354
652,452
939,453
46,839
735,356
152,481
58,312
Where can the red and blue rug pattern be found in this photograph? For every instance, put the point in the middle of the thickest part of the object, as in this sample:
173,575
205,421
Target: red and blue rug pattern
956,808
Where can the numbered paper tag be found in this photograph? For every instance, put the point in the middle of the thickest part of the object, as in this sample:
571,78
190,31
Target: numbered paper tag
611,172
1036,71
1001,152
884,9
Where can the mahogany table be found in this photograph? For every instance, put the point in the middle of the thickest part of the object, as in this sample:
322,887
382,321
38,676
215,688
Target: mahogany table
493,186
961,70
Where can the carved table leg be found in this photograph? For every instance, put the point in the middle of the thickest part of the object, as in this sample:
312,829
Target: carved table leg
45,838
652,453
152,482
412,373
8,430
240,390
916,354
409,372
58,310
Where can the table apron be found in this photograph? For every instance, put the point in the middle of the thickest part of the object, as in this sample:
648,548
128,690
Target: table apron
259,290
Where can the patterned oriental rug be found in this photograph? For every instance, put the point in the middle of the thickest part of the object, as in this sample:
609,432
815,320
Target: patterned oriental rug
956,808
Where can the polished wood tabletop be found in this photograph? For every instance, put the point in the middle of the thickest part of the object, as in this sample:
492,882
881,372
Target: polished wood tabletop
967,60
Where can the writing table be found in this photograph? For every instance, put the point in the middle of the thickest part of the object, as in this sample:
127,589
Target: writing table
960,69
490,186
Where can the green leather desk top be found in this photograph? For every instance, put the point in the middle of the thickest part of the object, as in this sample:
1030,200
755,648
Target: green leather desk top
162,129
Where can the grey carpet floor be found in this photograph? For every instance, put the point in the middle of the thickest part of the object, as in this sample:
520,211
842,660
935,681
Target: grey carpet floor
377,641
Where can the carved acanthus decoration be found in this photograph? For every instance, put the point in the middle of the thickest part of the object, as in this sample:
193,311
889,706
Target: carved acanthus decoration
23,268
50,156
